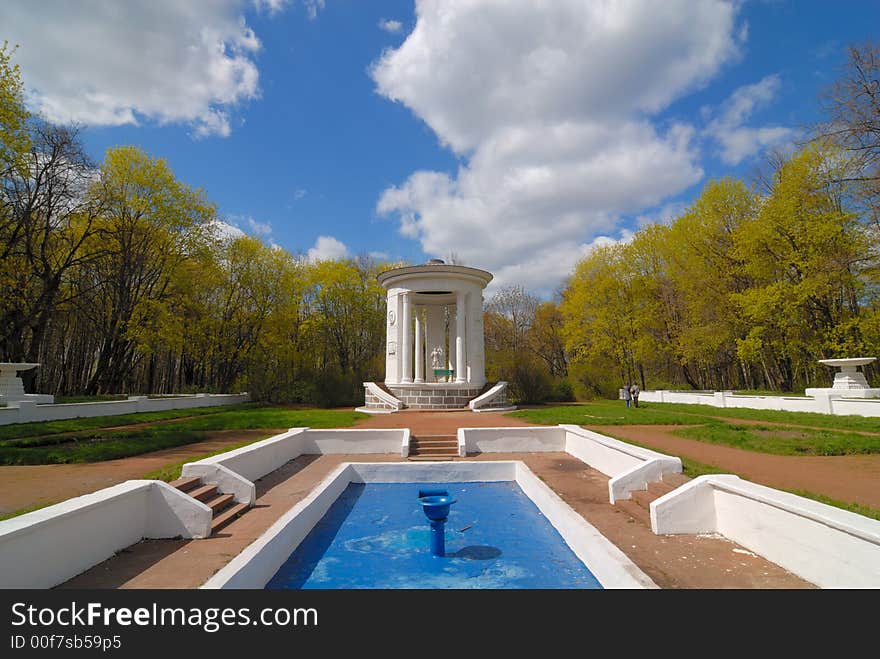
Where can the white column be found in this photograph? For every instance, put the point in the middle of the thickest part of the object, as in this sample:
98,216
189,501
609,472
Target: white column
460,329
406,340
475,344
420,346
450,338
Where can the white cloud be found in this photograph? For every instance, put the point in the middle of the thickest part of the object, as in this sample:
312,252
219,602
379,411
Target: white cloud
313,7
262,229
390,25
299,193
327,248
271,6
225,231
550,106
118,63
736,141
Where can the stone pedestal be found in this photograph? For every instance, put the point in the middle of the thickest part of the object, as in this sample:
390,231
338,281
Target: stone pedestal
849,382
12,388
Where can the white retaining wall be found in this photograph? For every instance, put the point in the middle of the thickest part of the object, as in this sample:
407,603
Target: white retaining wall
629,467
28,411
258,563
821,404
49,546
827,546
242,466
529,439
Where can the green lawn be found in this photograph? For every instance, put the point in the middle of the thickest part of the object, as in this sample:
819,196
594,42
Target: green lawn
834,437
15,430
31,445
615,413
784,440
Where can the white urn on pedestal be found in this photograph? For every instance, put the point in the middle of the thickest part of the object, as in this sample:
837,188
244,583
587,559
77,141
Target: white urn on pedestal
849,382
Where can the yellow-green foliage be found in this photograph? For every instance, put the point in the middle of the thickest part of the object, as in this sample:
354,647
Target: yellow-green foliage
744,290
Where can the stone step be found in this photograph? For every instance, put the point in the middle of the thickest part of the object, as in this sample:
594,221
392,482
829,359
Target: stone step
453,450
186,483
433,442
430,458
654,491
227,516
204,493
218,503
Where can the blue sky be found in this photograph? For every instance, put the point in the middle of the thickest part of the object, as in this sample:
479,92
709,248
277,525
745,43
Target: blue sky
515,135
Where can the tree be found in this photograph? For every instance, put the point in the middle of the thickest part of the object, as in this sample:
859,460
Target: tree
13,114
852,104
152,223
54,218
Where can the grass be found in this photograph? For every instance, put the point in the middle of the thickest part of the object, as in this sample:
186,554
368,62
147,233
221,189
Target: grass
615,413
98,398
815,419
23,511
16,430
96,445
605,413
834,436
783,440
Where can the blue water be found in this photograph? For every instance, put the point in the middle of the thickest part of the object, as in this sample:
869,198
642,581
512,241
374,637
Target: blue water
376,536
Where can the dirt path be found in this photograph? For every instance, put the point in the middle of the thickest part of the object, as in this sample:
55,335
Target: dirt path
850,478
24,486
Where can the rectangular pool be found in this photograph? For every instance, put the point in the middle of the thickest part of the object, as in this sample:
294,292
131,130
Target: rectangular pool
363,527
375,535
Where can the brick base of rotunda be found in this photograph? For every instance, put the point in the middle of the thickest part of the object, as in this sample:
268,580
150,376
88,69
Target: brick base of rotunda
435,397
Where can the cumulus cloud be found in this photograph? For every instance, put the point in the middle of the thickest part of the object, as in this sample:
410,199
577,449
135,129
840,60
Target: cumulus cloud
119,63
391,26
736,141
224,230
327,248
263,229
550,105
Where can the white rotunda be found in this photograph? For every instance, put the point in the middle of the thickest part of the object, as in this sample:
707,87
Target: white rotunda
434,354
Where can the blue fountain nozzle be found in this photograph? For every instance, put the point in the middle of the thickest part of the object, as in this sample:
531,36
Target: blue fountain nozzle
433,492
436,509
436,506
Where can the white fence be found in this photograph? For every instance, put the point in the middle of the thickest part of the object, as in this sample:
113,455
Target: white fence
822,404
28,411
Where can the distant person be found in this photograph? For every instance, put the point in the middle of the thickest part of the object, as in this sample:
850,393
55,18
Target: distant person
627,395
634,392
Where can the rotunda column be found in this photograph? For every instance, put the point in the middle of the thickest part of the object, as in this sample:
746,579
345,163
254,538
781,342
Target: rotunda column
420,346
460,333
406,340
